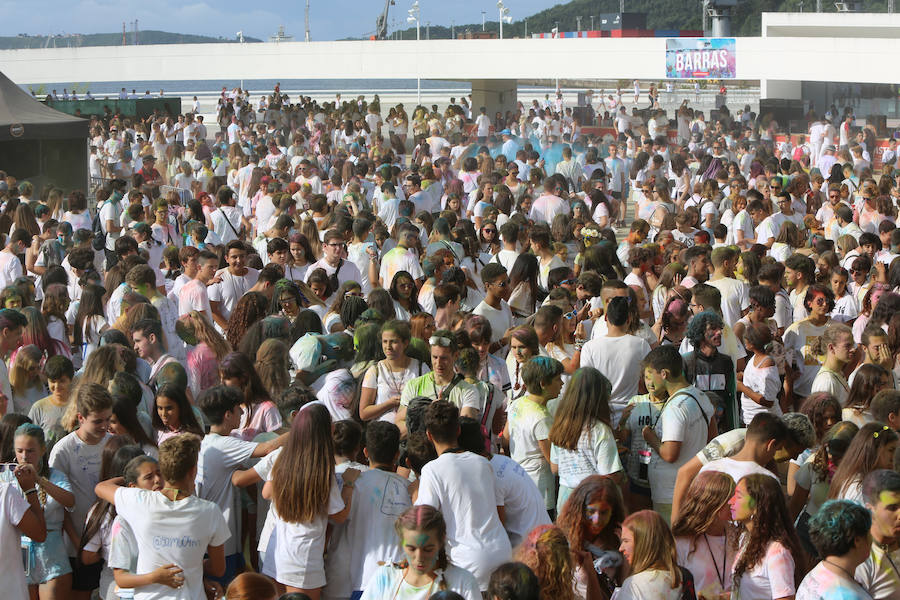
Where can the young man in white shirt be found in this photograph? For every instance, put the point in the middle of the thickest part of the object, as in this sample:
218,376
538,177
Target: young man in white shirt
766,435
878,575
686,423
78,456
462,486
12,326
482,125
173,526
336,267
368,537
147,337
401,258
494,307
617,355
10,265
193,294
230,284
220,455
735,293
227,221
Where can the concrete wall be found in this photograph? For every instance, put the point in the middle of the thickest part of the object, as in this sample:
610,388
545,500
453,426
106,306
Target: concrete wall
787,58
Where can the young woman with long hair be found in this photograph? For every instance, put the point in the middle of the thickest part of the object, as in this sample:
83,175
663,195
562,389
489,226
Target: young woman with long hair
36,334
523,281
273,366
704,538
90,323
383,382
868,381
51,573
331,322
124,421
96,539
591,518
546,552
306,498
403,291
770,559
25,379
649,549
581,434
259,412
252,307
206,349
426,570
872,448
53,308
173,414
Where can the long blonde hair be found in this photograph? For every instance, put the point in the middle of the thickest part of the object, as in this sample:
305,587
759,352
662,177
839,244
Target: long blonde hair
272,365
27,358
198,325
305,467
654,546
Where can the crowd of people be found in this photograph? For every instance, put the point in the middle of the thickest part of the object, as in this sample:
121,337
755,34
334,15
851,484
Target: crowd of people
306,357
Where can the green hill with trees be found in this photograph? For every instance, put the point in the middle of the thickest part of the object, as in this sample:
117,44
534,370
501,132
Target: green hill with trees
147,37
661,14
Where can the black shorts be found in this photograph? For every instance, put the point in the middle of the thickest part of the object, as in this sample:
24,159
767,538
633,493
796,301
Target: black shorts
85,577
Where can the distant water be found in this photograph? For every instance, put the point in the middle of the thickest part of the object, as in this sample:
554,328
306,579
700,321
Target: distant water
304,86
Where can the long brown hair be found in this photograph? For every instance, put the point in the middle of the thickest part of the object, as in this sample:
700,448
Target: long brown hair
771,523
861,457
709,492
272,363
585,402
571,519
654,546
305,467
198,325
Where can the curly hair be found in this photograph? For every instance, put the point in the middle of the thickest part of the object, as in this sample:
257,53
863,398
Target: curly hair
772,523
571,518
696,329
815,407
546,552
252,307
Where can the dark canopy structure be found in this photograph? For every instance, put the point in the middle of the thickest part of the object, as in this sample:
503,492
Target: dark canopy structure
40,144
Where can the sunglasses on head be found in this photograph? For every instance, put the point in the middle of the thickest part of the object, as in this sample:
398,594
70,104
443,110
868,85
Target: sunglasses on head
441,341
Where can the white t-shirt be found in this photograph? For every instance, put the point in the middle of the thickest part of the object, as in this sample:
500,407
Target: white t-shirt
80,462
822,584
529,424
735,298
648,585
680,420
221,218
619,359
110,212
522,501
832,382
387,584
500,319
763,381
229,291
295,554
10,268
772,577
170,532
595,454
13,507
877,576
388,383
219,457
736,469
705,562
368,538
462,487
798,338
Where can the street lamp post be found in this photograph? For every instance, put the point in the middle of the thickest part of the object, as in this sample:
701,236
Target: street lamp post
414,16
504,16
592,22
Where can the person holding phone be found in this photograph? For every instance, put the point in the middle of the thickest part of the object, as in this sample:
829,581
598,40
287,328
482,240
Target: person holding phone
19,515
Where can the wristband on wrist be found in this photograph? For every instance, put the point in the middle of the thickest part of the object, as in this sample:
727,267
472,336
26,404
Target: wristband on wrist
31,491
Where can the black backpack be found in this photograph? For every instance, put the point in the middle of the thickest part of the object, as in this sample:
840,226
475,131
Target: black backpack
98,242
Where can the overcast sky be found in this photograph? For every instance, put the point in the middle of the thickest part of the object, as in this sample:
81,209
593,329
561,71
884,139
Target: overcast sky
329,19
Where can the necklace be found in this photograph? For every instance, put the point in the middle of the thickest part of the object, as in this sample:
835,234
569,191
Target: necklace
395,383
845,571
177,491
720,575
887,554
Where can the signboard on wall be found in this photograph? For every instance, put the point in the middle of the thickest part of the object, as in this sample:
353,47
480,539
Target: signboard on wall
700,58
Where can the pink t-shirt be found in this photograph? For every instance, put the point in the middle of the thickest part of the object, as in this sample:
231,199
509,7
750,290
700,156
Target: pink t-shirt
263,418
193,296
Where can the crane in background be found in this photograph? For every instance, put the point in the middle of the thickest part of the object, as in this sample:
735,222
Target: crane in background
381,23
